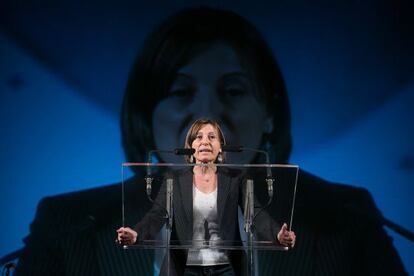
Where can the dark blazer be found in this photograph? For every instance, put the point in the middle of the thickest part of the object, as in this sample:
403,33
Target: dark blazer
230,195
74,234
338,232
337,227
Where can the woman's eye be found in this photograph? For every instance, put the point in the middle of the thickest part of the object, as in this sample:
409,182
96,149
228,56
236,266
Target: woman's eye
234,92
234,85
183,86
181,92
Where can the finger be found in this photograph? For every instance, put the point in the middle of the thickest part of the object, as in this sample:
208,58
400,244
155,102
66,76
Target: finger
119,240
289,233
122,229
286,237
284,229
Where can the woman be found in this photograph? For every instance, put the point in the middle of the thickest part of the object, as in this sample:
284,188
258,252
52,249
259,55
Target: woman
185,71
206,63
212,208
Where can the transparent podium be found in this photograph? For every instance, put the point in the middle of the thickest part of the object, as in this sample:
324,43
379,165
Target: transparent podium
230,222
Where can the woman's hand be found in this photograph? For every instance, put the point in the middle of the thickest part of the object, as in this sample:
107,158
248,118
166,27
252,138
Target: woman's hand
285,237
126,236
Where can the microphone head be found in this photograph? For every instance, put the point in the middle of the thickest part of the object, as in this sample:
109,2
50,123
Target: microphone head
232,148
184,151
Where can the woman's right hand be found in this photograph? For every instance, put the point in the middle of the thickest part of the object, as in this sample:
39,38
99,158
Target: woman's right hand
126,236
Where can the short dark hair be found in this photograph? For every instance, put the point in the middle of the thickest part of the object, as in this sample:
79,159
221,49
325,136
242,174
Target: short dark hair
173,44
195,128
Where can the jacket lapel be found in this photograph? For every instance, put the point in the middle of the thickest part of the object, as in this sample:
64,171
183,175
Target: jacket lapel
185,195
223,189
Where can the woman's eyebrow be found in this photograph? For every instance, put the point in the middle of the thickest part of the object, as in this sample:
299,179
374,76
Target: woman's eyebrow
209,133
183,75
237,74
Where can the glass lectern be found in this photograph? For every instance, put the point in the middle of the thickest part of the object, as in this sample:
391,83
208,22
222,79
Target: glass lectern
253,201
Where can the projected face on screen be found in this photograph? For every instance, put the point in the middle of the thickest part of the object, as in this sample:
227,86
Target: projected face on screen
212,85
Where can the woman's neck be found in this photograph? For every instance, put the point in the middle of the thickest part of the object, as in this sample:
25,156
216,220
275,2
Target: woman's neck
205,178
205,168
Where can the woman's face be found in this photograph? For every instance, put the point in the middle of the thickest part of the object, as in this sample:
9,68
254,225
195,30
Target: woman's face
213,85
207,144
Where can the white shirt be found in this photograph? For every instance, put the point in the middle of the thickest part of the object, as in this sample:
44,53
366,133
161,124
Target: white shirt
205,228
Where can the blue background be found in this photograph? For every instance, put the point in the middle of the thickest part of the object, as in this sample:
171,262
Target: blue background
63,67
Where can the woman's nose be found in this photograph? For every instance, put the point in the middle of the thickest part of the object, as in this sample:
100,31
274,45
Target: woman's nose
204,140
206,104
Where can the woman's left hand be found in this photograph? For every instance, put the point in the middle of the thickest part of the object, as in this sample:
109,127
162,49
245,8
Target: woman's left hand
285,237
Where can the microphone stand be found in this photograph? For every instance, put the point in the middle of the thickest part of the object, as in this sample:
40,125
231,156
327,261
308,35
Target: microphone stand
148,178
248,223
404,232
269,178
400,230
170,210
169,194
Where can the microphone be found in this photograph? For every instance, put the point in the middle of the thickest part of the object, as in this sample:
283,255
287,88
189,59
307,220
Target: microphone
269,178
184,151
232,148
148,178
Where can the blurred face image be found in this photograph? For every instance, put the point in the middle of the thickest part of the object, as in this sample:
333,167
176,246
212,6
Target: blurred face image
207,144
212,85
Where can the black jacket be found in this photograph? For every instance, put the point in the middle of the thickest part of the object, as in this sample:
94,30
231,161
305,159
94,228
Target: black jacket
338,232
